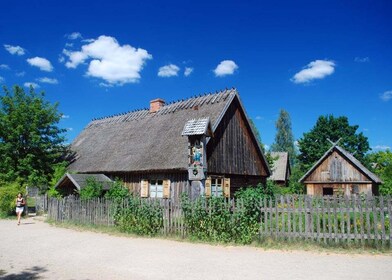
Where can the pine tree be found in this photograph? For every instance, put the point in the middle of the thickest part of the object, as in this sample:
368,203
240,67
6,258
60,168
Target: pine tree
284,139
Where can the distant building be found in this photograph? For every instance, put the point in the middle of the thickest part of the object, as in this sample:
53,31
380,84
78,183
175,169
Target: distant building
281,170
146,150
339,172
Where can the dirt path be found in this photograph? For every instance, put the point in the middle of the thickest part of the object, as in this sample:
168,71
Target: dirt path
36,250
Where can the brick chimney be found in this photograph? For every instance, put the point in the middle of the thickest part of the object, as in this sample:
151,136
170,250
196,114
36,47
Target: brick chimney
156,104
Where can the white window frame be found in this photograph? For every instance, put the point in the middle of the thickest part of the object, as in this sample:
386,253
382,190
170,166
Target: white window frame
156,188
217,186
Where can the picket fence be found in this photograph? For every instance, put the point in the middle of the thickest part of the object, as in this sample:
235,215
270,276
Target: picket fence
361,220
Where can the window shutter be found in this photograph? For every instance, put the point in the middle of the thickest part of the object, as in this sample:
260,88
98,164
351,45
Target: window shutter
226,187
166,188
208,187
144,188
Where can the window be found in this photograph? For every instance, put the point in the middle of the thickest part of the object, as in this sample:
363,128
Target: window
355,189
327,191
216,187
156,188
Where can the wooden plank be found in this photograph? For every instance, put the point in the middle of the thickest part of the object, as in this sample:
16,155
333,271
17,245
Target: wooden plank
347,205
335,225
389,203
382,218
289,208
283,208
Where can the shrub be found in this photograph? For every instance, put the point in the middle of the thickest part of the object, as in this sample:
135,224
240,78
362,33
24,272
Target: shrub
140,216
118,192
216,219
8,193
93,189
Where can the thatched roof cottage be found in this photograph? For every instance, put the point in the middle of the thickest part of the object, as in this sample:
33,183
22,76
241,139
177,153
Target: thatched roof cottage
145,148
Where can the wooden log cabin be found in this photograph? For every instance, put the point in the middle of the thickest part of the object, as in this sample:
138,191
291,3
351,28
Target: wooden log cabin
145,149
339,172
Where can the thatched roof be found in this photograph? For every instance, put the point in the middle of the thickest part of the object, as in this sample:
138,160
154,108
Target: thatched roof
349,157
80,180
143,141
281,167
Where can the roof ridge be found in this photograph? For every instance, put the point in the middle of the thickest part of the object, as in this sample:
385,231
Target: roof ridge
170,107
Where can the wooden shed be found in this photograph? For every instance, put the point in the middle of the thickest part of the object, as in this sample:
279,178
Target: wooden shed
339,172
281,170
146,150
71,184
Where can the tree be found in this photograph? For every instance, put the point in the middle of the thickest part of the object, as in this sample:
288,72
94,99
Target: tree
315,143
381,163
284,139
31,142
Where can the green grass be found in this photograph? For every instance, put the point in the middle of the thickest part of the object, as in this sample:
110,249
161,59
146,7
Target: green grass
266,244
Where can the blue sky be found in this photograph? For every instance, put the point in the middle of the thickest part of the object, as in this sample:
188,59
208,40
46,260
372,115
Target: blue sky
311,58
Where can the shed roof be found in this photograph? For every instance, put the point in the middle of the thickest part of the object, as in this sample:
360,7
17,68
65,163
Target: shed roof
349,157
80,180
142,141
281,166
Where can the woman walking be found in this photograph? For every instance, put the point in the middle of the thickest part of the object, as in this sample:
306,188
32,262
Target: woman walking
20,204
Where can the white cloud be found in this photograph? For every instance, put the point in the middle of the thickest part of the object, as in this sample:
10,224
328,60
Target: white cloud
69,45
18,50
361,59
266,147
317,69
169,70
65,116
381,147
70,129
259,118
88,40
110,61
386,96
20,74
188,71
61,58
1,79
226,67
41,63
48,80
74,36
4,67
28,84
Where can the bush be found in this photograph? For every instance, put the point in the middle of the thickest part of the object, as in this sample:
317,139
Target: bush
215,219
8,193
93,189
140,216
118,192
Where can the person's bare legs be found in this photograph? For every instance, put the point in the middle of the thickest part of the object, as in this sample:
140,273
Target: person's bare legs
19,214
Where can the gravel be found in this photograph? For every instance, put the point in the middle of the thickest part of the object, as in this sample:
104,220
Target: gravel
36,250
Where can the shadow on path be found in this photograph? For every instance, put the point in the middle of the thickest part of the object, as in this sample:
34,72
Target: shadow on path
30,274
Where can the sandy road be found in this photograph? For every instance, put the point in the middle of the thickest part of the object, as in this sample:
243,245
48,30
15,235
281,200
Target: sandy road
36,250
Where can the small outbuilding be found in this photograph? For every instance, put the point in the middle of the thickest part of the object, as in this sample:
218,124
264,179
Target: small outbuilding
339,172
71,184
281,170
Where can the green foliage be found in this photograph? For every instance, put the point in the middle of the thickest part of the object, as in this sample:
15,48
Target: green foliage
30,140
259,192
214,220
140,216
8,193
284,139
314,143
295,186
92,189
59,170
118,192
381,163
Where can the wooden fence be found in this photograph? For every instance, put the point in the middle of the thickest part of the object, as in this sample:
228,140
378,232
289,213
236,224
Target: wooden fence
360,220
